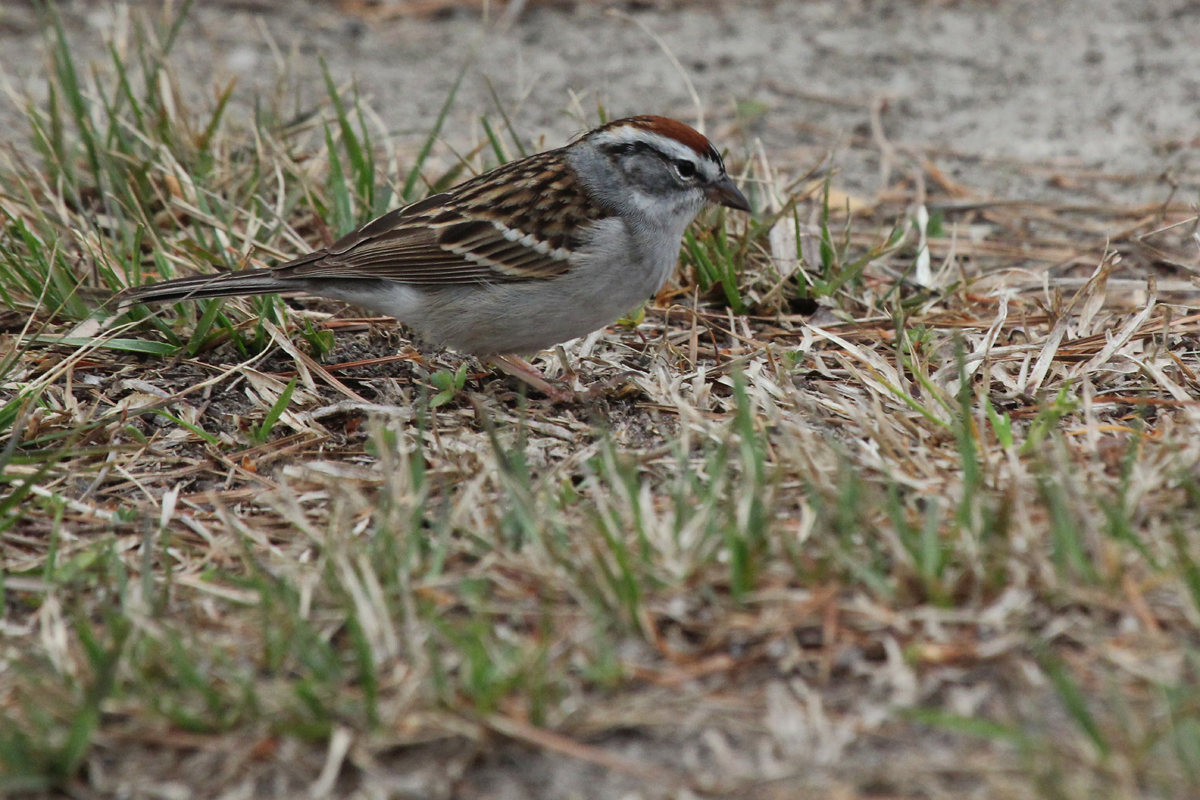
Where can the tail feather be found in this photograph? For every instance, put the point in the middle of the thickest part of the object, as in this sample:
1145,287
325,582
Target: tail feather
200,287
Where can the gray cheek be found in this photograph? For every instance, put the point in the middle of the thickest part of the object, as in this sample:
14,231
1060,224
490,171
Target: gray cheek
653,177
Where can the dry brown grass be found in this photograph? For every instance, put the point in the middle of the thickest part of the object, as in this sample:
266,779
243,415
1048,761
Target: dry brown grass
937,539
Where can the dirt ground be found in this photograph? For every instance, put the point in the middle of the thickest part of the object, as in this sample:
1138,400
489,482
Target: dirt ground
1096,85
978,87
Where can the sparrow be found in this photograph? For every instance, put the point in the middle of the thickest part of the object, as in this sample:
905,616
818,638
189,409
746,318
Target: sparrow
520,258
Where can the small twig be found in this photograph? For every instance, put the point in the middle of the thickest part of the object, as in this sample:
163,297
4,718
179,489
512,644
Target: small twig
557,743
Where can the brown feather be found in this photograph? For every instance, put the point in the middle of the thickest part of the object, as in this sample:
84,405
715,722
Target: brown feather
672,129
459,236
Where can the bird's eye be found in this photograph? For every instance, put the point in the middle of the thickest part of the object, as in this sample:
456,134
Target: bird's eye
686,169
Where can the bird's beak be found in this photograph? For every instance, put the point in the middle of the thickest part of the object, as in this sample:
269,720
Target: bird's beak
725,193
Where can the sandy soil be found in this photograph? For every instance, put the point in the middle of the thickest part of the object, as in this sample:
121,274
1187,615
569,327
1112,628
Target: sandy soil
981,88
1096,85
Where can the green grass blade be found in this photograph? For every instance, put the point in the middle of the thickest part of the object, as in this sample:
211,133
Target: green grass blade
263,432
344,219
414,175
124,345
493,140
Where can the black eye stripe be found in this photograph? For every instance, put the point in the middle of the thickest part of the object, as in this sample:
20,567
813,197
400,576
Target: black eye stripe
629,148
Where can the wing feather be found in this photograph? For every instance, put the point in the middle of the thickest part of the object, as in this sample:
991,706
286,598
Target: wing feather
514,223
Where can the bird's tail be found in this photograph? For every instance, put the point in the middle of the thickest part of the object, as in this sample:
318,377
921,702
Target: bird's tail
200,287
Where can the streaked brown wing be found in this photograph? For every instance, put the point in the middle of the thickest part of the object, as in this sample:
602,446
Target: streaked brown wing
517,222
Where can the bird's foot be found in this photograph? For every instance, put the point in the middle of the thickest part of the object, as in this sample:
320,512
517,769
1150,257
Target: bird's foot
616,387
523,371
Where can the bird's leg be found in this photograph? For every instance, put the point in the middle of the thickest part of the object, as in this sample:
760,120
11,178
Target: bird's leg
522,370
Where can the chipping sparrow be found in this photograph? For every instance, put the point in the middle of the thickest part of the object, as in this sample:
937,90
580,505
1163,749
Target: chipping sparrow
530,254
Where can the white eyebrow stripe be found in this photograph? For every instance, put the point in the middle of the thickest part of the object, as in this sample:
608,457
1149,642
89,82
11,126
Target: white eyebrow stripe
664,144
671,148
